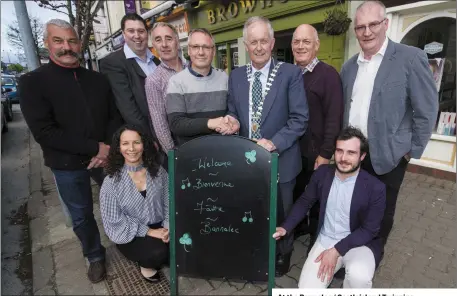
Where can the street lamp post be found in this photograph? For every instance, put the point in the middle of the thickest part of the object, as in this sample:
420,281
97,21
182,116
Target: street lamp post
26,34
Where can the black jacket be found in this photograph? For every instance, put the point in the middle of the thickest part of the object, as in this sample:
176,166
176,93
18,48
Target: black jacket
69,111
127,81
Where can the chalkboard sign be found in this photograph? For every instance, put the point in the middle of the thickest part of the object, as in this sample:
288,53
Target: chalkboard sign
222,209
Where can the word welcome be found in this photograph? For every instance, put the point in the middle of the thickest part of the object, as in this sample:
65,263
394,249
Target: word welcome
205,164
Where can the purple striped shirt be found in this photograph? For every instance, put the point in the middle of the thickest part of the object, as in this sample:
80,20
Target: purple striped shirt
156,90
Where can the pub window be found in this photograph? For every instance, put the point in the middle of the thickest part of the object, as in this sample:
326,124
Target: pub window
437,38
227,54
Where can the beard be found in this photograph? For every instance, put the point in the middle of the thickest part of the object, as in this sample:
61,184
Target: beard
351,170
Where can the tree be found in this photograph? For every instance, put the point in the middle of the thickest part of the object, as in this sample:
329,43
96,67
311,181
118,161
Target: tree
81,14
14,37
18,68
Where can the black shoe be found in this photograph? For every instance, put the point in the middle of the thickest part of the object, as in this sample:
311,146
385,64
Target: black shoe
340,274
97,271
153,279
282,264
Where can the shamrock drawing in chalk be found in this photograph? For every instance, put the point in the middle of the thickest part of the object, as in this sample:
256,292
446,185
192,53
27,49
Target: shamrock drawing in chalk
250,156
185,240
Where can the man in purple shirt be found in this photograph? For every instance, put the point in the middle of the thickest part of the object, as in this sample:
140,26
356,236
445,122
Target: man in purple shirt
165,40
352,207
324,94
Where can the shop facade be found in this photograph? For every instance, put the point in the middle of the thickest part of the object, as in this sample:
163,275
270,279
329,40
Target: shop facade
225,20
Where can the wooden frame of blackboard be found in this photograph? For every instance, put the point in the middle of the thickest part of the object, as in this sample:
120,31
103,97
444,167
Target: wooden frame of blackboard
274,179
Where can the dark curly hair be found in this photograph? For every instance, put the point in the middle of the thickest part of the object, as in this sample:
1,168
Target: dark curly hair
151,156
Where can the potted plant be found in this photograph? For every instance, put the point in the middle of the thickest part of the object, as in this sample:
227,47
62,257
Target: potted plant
336,21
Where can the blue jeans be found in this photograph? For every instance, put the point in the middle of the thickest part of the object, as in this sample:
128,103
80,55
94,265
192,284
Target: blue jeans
76,192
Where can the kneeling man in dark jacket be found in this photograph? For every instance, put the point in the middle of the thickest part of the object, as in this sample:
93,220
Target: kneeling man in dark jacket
352,206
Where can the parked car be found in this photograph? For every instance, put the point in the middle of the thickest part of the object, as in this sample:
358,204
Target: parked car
10,81
7,105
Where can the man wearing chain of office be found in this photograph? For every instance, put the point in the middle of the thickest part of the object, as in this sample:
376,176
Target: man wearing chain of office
267,103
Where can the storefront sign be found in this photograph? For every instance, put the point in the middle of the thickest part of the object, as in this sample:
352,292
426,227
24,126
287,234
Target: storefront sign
433,48
118,41
181,26
148,5
129,6
232,10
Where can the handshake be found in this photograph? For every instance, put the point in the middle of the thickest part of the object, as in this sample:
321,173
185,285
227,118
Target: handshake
226,125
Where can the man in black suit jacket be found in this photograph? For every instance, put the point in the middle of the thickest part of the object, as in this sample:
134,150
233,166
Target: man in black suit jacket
127,70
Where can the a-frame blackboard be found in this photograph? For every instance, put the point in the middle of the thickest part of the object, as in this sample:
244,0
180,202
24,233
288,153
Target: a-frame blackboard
223,192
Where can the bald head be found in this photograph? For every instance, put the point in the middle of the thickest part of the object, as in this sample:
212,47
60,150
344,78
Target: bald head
307,30
305,44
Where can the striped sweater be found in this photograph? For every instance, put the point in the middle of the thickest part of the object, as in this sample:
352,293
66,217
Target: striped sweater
191,101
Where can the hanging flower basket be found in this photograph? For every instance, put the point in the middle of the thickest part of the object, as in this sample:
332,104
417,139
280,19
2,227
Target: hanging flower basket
336,22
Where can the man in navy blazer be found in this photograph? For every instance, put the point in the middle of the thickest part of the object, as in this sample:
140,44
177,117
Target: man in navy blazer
352,207
267,103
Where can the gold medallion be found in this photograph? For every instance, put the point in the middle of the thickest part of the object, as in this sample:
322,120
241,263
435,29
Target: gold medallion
255,126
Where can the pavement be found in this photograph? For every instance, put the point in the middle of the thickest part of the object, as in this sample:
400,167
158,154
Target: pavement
420,252
16,254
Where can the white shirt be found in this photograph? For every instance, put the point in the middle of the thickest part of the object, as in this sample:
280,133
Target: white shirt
263,80
363,88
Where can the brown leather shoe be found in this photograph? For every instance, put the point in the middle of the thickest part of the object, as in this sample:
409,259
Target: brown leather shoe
97,271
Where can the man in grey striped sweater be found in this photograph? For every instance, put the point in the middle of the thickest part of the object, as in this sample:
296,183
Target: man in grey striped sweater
196,98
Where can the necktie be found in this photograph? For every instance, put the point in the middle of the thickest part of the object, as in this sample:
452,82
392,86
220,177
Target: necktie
256,101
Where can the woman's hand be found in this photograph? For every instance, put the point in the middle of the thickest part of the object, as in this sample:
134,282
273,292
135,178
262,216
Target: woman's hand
160,233
166,236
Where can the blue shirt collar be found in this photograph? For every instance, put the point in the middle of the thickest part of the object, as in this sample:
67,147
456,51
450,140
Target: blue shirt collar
189,66
348,180
129,54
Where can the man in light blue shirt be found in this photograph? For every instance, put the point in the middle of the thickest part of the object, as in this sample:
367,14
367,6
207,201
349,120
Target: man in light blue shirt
352,207
127,70
147,64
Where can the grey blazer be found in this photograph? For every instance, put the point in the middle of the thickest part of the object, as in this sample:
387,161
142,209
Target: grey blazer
403,108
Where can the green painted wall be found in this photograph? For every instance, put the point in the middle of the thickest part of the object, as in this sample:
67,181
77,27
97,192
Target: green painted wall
226,22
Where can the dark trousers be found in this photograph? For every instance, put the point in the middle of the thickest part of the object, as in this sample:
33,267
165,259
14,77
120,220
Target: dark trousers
76,192
285,203
149,252
393,181
310,223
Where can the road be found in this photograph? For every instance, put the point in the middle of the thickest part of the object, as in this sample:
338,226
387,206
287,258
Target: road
16,246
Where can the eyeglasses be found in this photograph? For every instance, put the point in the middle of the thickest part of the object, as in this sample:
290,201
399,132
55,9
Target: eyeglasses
196,48
373,27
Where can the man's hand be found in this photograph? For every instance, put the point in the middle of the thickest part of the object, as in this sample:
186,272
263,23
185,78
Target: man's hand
320,160
218,125
280,232
96,162
99,160
267,144
407,157
103,151
233,123
328,260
